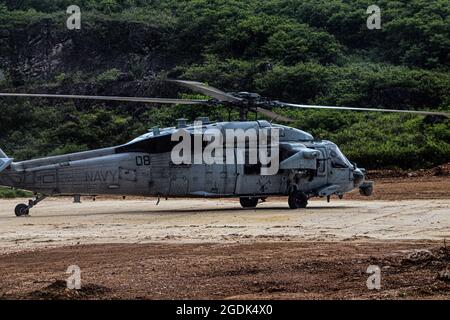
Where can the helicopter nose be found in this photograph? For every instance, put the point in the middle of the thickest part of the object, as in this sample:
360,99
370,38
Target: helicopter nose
358,177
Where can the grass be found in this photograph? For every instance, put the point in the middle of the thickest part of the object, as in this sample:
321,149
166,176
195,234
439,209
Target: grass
8,193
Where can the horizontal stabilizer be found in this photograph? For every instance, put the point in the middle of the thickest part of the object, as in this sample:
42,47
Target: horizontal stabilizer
5,163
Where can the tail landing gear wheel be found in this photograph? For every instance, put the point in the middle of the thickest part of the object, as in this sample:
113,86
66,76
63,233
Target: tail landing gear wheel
21,210
24,210
249,202
297,200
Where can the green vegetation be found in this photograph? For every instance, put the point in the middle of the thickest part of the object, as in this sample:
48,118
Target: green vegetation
109,75
8,193
309,51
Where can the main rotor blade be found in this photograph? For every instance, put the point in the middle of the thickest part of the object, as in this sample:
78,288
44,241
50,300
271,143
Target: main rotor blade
301,106
272,115
207,90
107,98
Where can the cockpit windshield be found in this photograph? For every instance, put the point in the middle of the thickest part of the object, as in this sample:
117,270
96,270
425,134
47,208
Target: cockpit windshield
338,160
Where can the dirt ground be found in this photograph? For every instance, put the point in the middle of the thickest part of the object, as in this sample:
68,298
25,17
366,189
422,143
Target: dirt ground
408,188
312,270
208,249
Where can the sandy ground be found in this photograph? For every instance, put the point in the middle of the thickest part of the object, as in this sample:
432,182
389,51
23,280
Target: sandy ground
214,249
59,222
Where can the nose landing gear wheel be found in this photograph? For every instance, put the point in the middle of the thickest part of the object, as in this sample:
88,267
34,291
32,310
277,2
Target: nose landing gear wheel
248,202
297,200
21,210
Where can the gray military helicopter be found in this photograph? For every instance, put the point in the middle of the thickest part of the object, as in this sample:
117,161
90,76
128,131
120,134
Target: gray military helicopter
144,167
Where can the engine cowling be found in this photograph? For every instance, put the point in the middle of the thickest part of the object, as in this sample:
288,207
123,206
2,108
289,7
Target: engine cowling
304,159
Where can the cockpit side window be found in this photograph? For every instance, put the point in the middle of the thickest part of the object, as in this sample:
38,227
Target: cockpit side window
338,160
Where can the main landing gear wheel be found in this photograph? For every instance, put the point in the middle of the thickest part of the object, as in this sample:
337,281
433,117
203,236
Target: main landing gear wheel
249,202
297,200
21,210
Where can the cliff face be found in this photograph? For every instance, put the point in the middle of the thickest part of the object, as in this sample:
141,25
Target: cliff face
41,50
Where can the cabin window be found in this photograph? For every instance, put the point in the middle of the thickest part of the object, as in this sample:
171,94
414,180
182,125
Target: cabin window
321,166
252,169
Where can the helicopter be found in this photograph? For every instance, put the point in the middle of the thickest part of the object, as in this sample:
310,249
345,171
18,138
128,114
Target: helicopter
145,166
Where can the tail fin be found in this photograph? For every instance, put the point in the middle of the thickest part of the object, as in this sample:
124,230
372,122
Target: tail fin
4,161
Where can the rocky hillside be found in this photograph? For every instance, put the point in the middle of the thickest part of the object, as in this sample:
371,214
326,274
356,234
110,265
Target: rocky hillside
317,52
